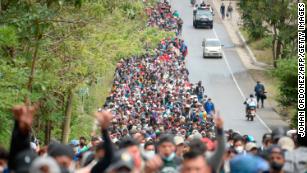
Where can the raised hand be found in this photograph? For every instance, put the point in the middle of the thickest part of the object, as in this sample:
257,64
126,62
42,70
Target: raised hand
219,123
24,115
104,119
153,165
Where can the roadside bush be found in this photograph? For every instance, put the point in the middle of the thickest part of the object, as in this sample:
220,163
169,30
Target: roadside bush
267,41
286,72
264,43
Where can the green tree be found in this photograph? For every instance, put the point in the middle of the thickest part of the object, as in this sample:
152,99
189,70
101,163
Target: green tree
286,72
252,18
272,17
52,49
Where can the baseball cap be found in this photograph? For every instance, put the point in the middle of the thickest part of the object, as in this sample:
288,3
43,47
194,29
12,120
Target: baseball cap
121,159
291,132
286,143
57,149
74,142
248,164
133,130
197,136
178,140
24,160
194,131
250,145
250,138
278,133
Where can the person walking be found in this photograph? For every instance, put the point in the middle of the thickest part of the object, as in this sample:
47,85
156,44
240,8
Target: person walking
209,107
222,10
179,26
229,10
260,93
200,91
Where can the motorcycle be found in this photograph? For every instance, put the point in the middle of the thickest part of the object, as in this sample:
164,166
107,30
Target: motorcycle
251,113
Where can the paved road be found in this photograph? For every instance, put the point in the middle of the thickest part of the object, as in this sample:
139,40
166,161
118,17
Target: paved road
226,80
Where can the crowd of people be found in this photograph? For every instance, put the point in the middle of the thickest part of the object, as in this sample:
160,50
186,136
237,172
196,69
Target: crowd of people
162,17
155,121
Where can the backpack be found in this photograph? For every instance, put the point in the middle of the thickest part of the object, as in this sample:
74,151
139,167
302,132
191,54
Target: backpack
199,90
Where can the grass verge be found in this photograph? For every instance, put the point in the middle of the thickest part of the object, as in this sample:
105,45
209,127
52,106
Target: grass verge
261,48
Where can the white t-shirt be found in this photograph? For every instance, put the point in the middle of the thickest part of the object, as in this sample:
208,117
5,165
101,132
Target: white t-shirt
251,102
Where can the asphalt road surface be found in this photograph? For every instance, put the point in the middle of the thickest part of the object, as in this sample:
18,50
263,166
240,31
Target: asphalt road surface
226,80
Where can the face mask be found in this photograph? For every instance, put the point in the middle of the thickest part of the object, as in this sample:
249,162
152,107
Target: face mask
142,145
239,149
75,149
72,167
230,144
149,154
64,169
170,157
114,140
276,166
1,169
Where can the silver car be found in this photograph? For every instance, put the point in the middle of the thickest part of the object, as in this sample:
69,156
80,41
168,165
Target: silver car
212,48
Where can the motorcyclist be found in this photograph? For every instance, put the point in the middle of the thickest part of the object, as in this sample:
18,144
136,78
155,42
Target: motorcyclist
193,2
250,102
195,9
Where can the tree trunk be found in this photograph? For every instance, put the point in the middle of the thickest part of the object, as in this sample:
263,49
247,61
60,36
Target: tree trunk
274,46
273,52
48,132
278,49
67,120
31,77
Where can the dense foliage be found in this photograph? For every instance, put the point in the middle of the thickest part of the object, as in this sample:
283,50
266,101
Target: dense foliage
276,21
286,72
276,18
62,54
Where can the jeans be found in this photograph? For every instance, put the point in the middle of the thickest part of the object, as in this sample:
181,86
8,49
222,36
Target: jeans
200,97
260,98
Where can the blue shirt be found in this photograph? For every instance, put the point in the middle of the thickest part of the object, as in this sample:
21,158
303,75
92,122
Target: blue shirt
259,89
209,107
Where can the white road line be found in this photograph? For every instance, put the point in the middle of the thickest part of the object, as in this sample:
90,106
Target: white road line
236,82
